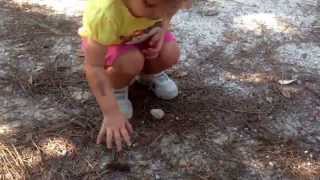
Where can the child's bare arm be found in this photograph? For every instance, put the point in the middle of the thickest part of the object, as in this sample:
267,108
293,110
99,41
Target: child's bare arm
98,81
114,124
166,23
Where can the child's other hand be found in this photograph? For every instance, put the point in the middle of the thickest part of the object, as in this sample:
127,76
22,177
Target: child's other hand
155,46
115,129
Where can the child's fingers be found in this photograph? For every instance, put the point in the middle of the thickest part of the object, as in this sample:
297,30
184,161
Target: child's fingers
145,52
109,138
152,42
153,56
148,53
153,50
118,139
157,47
155,39
129,127
125,135
101,135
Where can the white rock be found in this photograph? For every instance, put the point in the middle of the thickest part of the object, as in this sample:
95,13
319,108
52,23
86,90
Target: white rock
157,113
271,164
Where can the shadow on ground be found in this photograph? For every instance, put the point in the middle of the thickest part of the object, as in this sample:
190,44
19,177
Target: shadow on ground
49,120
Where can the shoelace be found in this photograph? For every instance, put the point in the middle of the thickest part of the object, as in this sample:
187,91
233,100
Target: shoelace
162,77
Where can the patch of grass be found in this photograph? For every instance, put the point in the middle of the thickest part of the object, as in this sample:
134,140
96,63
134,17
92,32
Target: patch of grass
13,165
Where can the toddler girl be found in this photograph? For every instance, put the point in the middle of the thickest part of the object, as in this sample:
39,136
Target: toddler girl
122,40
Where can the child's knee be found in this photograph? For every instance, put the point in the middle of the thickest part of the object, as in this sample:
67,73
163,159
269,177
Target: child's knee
132,63
171,54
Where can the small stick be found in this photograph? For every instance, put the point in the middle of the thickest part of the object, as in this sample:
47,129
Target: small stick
115,165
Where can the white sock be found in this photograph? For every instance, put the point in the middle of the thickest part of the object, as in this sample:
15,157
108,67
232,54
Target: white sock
121,89
149,76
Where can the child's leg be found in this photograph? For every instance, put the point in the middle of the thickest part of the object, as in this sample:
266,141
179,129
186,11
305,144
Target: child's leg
125,68
168,57
123,65
162,85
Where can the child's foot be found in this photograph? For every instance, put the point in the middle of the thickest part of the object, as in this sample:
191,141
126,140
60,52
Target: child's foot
161,84
124,102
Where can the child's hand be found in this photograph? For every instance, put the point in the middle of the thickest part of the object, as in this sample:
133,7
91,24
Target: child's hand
116,129
155,46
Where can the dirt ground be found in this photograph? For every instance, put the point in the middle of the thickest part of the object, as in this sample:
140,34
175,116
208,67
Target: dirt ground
238,116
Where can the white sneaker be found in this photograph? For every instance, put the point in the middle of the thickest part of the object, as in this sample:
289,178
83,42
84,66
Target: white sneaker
124,103
161,84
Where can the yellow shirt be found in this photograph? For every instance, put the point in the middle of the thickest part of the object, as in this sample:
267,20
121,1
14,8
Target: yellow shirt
109,22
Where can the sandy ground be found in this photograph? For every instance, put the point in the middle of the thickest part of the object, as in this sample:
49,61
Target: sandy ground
238,115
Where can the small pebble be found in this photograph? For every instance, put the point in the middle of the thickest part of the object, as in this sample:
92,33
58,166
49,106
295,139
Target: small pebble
158,177
157,113
271,164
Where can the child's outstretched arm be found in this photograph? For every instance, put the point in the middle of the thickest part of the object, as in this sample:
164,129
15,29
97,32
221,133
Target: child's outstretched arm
114,126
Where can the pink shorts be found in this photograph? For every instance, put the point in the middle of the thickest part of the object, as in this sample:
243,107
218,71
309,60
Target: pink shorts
115,51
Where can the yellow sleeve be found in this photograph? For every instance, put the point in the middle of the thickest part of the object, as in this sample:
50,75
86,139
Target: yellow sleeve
100,26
